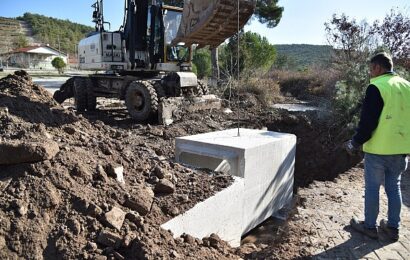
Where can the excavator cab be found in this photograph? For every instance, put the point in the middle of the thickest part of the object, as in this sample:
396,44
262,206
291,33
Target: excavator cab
178,53
176,56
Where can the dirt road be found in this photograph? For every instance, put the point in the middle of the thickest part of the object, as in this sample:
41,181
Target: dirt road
320,226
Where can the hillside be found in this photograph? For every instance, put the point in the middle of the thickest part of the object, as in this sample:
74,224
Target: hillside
10,33
57,33
303,55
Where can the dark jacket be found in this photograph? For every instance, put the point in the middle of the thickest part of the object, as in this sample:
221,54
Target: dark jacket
369,119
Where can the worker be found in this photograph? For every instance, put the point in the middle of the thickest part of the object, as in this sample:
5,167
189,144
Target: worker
384,134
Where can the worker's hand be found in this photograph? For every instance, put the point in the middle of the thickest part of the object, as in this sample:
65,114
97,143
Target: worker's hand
351,147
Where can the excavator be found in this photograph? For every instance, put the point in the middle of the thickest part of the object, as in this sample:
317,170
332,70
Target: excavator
147,62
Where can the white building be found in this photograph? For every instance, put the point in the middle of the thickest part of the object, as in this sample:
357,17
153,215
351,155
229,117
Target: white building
34,57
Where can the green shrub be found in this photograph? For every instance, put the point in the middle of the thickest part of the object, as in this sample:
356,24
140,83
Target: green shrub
256,54
349,93
59,64
202,62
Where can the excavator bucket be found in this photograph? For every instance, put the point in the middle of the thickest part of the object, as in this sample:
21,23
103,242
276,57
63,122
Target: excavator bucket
212,22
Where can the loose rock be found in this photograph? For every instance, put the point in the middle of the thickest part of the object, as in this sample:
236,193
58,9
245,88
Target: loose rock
117,172
164,186
109,239
26,152
115,218
160,172
142,201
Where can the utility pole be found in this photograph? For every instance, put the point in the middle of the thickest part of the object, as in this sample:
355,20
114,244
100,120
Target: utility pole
76,56
59,51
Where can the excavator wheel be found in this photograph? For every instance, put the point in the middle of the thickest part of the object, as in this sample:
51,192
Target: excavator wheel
197,91
66,91
204,87
141,100
80,94
159,89
58,96
91,98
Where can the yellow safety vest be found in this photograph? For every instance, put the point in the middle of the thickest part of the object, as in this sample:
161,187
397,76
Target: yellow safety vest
392,135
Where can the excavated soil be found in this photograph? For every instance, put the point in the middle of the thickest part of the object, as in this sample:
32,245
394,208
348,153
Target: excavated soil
68,201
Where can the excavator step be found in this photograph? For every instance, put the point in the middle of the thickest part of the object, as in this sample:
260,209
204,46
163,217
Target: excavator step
169,106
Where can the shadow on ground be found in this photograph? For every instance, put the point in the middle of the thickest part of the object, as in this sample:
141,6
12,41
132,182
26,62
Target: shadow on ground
357,247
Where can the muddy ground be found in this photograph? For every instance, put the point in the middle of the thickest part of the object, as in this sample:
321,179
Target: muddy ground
98,186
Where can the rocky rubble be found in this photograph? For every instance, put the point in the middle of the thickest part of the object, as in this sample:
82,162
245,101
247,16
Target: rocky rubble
98,186
76,188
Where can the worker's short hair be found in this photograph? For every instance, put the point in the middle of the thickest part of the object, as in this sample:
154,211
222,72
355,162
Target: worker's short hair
383,59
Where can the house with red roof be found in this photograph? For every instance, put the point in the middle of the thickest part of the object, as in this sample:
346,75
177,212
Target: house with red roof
34,57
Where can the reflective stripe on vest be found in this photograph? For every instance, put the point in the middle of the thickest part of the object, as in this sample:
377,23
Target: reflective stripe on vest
392,135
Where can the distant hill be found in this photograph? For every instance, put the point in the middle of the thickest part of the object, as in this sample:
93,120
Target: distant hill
304,55
57,33
10,32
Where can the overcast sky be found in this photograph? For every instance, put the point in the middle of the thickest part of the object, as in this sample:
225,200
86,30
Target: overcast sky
302,21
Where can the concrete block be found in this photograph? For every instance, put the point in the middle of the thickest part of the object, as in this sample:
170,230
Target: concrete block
221,214
264,161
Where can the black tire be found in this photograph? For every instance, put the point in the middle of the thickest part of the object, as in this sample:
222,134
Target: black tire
204,87
91,98
59,97
198,90
141,100
159,89
66,91
80,94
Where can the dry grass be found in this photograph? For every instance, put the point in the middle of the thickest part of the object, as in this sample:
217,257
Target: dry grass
265,90
277,86
303,84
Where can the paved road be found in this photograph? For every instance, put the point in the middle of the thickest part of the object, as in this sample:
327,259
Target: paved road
51,84
328,209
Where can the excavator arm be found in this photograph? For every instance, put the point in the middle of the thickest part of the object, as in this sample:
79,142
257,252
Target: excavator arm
212,22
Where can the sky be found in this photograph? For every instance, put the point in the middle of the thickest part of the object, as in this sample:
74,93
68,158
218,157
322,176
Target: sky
302,20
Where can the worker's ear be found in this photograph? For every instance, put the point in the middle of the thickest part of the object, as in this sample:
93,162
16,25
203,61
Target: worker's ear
378,68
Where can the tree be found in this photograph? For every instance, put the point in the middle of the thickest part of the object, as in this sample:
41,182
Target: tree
59,64
20,42
268,12
394,32
202,61
255,53
353,44
285,62
351,41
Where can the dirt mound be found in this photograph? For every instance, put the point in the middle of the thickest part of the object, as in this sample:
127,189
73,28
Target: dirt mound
31,102
100,192
99,186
